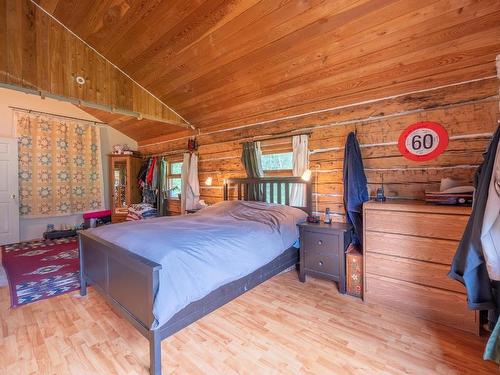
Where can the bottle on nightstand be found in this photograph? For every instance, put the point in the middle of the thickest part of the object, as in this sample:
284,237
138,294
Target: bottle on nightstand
328,217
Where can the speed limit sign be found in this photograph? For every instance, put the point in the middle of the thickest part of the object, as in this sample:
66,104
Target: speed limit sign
423,141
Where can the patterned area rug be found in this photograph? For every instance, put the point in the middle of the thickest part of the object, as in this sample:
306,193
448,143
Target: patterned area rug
41,269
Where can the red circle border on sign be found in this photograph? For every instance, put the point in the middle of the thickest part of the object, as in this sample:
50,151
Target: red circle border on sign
438,128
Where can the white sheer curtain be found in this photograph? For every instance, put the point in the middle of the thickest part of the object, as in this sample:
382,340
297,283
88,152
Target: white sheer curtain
300,144
190,193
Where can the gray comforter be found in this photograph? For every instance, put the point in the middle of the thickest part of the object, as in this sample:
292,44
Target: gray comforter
203,251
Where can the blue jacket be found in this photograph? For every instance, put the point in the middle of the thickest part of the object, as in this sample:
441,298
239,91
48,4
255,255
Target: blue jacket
469,266
355,189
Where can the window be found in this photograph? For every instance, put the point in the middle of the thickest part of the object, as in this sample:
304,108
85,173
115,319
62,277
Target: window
277,162
174,181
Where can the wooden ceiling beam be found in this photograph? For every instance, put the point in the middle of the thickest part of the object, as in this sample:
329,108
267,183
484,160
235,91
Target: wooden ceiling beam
89,105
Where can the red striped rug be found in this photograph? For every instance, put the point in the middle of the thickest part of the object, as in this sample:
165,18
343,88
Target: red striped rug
41,269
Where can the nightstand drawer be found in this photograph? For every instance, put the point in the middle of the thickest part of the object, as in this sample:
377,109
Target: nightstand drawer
320,241
322,253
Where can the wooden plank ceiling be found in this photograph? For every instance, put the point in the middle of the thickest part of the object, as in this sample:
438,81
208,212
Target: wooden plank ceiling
225,63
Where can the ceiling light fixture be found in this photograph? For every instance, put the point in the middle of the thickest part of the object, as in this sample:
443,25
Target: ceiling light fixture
80,80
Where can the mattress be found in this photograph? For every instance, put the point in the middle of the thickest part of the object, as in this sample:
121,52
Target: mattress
201,252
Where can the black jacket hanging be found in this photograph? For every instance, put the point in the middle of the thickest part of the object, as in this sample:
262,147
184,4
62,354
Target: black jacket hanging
355,189
469,265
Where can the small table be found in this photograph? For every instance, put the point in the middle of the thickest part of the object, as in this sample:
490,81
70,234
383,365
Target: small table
322,251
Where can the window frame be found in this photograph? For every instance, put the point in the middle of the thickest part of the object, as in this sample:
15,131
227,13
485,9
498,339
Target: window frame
170,176
279,172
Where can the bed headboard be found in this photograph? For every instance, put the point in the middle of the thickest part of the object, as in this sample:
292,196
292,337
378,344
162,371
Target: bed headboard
267,189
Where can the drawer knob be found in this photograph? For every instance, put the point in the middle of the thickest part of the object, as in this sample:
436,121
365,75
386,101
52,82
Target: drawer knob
320,263
320,242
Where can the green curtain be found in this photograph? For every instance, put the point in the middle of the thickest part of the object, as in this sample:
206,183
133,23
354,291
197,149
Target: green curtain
162,197
251,159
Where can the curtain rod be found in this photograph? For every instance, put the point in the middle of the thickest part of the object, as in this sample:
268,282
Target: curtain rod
167,153
277,136
55,115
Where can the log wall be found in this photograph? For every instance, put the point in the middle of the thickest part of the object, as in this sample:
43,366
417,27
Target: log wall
468,110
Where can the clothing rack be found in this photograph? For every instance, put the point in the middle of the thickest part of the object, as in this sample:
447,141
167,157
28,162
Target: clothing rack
56,115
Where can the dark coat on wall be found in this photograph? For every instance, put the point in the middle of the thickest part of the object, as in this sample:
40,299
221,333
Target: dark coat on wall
355,187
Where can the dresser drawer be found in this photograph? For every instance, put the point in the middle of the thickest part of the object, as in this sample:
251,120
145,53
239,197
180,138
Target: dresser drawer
419,248
437,305
414,271
450,227
322,253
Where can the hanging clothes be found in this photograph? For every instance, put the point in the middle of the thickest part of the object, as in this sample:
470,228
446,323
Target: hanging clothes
190,195
154,180
184,180
300,152
149,177
490,232
148,181
163,193
141,176
355,188
193,193
469,266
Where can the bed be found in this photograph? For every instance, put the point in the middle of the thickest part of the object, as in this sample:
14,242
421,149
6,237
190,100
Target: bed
155,289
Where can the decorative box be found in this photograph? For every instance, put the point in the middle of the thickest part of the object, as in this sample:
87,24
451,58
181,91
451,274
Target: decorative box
354,272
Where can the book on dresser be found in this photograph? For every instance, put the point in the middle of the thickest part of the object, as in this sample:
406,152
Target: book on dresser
408,250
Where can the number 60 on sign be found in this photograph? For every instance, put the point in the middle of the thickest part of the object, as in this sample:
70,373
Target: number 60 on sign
423,141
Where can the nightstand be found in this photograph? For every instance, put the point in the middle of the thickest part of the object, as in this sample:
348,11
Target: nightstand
322,251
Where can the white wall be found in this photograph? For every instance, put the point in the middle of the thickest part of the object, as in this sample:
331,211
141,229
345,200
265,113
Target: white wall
33,228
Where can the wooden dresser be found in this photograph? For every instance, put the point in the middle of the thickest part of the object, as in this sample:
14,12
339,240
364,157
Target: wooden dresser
409,247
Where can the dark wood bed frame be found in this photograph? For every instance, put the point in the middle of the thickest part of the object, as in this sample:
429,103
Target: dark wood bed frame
129,282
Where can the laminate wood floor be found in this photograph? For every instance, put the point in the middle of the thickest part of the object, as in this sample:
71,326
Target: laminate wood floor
280,327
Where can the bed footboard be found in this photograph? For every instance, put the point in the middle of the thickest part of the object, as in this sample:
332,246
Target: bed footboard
127,281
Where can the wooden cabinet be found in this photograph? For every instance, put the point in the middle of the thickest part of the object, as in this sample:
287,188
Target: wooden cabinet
124,190
322,251
409,247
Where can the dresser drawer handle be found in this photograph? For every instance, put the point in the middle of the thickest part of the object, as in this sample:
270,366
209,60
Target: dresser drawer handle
320,263
320,242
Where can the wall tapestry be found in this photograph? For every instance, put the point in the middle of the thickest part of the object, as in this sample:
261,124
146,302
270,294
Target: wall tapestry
60,171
